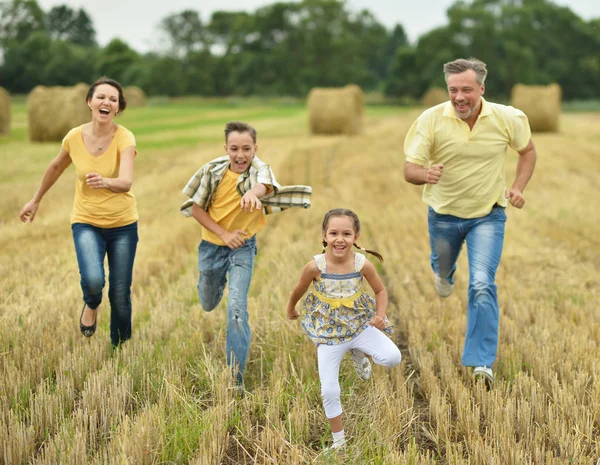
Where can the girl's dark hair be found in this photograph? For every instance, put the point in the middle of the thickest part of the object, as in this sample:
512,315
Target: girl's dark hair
238,126
110,82
355,221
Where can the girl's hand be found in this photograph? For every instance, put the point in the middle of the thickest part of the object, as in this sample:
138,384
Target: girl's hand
28,212
96,181
378,322
250,202
292,313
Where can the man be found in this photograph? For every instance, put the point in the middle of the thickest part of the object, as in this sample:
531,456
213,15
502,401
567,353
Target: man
457,149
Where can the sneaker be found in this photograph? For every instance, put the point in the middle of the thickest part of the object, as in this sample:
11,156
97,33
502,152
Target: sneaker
484,373
362,365
336,447
443,287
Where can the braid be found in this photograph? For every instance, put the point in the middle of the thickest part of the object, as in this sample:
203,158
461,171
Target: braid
324,246
372,252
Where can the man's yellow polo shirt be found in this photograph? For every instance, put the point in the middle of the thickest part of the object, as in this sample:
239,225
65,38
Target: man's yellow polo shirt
226,211
473,180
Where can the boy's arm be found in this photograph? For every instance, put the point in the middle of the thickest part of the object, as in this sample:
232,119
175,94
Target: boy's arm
233,239
309,273
251,199
381,297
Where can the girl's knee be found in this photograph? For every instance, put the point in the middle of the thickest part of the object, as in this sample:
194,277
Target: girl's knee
389,359
331,394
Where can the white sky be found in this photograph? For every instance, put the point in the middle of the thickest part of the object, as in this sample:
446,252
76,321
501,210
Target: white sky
136,21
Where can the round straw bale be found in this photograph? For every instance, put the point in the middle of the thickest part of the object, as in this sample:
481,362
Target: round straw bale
435,96
53,111
135,96
4,112
541,104
335,110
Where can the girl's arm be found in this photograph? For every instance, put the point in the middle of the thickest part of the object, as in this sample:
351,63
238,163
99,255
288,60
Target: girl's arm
125,179
309,274
381,297
53,172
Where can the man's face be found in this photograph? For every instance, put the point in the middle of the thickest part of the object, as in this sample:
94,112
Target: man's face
241,149
465,93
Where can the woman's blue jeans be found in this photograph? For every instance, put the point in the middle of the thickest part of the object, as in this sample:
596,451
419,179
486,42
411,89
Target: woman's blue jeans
485,238
92,244
215,262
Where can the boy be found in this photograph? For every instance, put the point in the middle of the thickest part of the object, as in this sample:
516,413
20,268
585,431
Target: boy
229,197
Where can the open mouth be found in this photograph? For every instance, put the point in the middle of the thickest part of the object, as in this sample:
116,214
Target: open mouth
104,111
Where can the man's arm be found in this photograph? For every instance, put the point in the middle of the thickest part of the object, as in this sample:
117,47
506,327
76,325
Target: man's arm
525,167
417,174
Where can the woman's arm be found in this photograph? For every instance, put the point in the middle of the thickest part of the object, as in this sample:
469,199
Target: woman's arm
51,175
123,182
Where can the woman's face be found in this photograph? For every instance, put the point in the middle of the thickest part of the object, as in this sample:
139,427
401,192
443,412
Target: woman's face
104,102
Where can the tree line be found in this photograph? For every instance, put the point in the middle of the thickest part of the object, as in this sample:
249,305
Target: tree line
288,48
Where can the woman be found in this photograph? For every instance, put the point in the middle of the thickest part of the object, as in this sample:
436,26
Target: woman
104,217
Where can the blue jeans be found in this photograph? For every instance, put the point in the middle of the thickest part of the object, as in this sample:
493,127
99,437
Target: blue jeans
215,262
485,238
119,244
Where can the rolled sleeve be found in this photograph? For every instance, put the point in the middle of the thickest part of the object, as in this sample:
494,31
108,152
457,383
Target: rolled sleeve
417,144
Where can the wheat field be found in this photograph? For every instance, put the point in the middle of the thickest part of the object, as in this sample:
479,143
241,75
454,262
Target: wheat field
165,397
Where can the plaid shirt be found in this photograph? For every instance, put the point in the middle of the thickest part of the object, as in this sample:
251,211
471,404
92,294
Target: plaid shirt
202,186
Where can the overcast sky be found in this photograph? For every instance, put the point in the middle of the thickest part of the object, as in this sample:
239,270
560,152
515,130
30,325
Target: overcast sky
136,21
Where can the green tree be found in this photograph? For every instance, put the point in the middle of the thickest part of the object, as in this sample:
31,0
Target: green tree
115,59
20,19
25,63
184,31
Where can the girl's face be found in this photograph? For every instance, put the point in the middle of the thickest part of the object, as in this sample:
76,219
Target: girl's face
104,103
340,235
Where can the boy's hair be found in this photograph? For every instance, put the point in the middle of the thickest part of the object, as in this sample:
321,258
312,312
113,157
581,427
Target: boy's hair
238,126
110,82
461,65
355,221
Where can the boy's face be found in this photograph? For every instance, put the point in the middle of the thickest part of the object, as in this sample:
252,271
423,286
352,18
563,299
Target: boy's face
241,149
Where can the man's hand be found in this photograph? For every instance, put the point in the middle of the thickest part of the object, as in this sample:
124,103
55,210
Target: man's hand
515,197
234,239
434,173
250,202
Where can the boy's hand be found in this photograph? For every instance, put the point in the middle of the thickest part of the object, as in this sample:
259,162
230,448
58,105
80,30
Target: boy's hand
378,322
234,239
250,202
292,313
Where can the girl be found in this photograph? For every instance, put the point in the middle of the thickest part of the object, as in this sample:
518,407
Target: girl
104,217
339,315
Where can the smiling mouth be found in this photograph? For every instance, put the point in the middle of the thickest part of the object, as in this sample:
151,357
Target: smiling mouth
104,111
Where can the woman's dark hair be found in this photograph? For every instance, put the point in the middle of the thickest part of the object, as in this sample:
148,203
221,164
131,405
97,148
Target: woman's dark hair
110,82
355,221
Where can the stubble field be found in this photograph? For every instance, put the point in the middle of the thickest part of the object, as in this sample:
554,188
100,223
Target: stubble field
166,398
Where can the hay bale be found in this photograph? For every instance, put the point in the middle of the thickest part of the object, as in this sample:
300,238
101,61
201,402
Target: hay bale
4,112
541,104
435,96
135,96
335,110
53,111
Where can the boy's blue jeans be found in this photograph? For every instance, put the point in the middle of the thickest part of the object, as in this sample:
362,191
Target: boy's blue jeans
485,238
92,244
215,262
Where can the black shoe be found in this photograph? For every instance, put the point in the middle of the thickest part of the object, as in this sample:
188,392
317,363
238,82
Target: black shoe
87,331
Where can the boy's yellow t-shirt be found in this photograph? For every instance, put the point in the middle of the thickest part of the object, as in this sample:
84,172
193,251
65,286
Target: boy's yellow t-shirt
226,211
100,207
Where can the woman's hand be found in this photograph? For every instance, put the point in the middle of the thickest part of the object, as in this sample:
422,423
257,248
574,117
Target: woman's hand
28,212
96,181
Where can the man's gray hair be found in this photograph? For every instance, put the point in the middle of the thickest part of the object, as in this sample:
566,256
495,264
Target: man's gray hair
461,65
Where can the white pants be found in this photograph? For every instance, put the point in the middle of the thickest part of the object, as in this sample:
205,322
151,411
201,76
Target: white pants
372,342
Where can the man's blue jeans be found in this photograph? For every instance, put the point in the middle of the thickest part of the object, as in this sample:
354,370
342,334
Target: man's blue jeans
92,244
215,262
485,238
